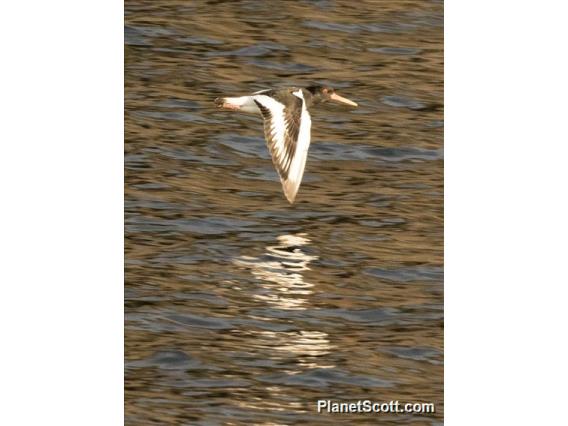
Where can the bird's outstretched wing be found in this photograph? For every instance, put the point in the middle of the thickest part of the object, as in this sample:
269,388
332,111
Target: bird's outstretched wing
287,127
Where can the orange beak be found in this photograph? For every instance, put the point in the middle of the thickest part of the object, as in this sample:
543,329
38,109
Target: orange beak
336,98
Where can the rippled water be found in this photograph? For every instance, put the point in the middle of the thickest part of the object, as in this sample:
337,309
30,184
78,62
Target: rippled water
241,308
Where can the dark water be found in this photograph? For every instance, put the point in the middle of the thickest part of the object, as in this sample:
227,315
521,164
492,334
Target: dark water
243,309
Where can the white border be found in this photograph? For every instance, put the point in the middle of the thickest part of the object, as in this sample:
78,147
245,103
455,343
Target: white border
505,212
61,85
61,215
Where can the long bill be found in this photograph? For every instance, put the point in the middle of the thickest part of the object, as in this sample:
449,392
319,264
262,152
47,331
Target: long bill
336,98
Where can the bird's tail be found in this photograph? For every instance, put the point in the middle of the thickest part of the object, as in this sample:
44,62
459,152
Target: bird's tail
242,103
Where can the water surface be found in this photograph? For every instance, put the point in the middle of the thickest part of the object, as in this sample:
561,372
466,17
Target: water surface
241,308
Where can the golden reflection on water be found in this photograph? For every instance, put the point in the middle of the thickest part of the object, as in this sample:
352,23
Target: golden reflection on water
304,345
282,275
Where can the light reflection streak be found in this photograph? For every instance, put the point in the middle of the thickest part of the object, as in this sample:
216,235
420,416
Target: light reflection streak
282,285
281,272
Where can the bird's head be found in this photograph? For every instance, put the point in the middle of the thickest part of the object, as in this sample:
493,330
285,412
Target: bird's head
326,93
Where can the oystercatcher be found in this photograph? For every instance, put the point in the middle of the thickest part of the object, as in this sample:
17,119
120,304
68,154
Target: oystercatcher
287,125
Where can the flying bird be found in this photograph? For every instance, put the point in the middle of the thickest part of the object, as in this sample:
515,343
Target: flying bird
287,125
